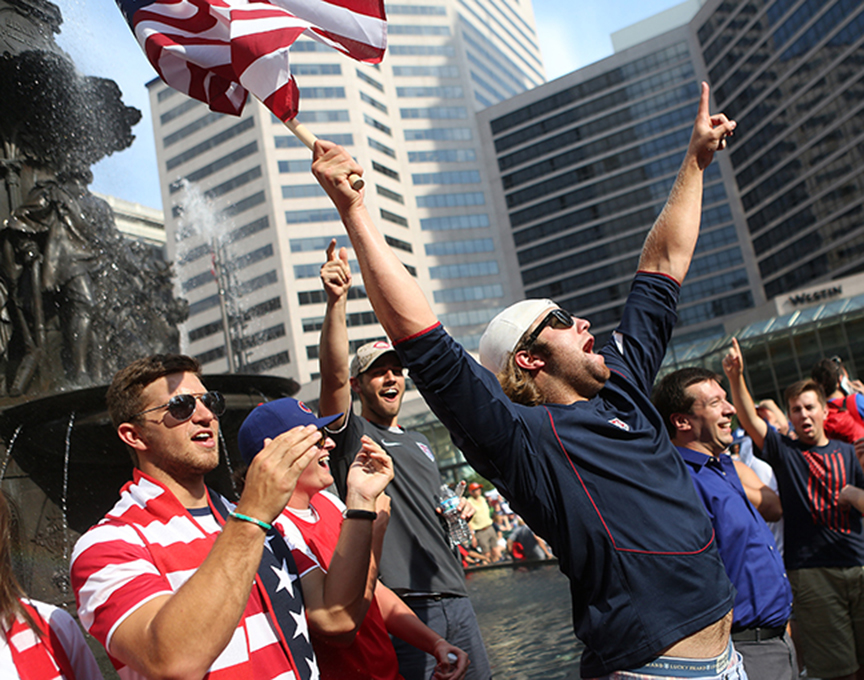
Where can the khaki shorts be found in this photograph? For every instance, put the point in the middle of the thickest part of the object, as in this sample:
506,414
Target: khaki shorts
829,609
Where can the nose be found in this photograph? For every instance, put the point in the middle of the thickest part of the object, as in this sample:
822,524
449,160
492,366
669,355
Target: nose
202,413
582,325
729,408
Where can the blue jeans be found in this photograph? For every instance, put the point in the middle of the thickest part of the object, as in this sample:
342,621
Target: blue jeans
454,620
727,666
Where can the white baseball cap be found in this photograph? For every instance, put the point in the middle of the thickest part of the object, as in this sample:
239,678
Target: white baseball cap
368,354
505,330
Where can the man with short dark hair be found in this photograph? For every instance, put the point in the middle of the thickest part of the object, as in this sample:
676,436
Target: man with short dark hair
175,581
590,468
699,420
819,481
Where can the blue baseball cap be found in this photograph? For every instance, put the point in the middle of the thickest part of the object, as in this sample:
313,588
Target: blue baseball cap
272,418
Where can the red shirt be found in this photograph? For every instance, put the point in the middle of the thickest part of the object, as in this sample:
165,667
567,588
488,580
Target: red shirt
371,656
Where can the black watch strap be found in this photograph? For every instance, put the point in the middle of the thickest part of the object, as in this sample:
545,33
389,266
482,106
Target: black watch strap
360,514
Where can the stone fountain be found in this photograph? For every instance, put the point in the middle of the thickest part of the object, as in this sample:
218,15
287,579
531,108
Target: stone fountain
77,301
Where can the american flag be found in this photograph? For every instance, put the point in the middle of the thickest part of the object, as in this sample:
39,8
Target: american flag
217,51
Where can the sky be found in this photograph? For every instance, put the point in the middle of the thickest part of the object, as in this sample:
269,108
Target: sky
572,35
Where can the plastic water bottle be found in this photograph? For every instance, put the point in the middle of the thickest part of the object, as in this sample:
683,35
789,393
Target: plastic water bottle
449,503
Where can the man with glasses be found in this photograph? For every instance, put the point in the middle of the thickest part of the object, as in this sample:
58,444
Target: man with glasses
573,440
175,581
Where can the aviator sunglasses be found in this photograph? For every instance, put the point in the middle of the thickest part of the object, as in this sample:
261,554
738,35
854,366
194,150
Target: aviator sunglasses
557,319
182,406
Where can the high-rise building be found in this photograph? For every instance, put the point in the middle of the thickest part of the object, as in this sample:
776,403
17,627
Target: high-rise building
585,162
248,225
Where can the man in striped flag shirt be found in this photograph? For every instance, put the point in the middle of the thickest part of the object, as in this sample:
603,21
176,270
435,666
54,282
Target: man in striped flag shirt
176,581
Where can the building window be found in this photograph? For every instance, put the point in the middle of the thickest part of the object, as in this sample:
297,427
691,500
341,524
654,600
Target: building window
451,200
216,165
454,222
258,282
369,80
193,127
234,183
423,10
268,363
295,166
435,113
321,116
208,144
463,270
393,29
378,146
291,142
468,293
450,177
439,135
179,110
393,217
454,92
386,193
422,50
305,216
313,270
384,170
396,243
211,355
205,331
369,120
373,102
443,156
303,191
464,247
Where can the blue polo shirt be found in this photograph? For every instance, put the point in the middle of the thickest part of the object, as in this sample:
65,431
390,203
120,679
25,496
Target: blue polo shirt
747,548
599,480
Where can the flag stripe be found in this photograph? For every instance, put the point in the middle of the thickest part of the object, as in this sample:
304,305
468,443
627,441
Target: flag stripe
217,50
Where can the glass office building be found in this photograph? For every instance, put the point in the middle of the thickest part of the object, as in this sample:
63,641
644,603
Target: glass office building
792,74
585,162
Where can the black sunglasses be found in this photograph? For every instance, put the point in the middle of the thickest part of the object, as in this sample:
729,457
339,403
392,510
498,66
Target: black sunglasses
182,406
557,318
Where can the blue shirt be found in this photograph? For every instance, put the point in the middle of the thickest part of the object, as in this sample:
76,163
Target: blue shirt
599,480
752,561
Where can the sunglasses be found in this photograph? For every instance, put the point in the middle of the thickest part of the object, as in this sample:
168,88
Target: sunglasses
557,319
182,406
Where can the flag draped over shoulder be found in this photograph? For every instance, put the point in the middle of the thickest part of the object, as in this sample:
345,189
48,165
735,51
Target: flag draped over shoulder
217,51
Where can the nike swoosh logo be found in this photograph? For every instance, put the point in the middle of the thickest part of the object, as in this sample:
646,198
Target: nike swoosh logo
386,443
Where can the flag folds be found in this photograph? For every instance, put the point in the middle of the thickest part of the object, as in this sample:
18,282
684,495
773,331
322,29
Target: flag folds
217,51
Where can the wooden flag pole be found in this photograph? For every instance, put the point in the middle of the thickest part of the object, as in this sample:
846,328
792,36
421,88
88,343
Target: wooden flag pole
302,133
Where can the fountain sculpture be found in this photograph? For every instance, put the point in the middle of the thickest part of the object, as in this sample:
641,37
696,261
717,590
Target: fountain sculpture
77,300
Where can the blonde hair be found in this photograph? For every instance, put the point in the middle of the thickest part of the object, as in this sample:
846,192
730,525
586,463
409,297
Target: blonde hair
517,383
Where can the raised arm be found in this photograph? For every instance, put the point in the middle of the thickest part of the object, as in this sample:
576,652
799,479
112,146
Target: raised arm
396,298
335,395
760,495
337,601
733,366
669,246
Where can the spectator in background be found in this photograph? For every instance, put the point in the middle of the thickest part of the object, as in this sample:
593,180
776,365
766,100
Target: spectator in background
482,523
824,539
845,419
524,544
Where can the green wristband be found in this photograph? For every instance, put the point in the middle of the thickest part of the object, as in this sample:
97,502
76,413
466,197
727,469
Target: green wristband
251,520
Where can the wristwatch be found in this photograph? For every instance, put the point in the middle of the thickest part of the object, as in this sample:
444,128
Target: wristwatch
360,514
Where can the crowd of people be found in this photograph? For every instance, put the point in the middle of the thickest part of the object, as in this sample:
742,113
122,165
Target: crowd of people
335,561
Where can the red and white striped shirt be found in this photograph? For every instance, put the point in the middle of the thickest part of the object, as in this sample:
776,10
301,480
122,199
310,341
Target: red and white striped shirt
149,545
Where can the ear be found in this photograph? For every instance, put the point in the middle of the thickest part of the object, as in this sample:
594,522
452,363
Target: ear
530,362
131,436
681,422
355,385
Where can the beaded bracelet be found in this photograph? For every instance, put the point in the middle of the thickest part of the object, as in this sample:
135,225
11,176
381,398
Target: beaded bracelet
251,520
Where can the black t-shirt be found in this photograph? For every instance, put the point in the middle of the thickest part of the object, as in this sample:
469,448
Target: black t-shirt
818,532
416,557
